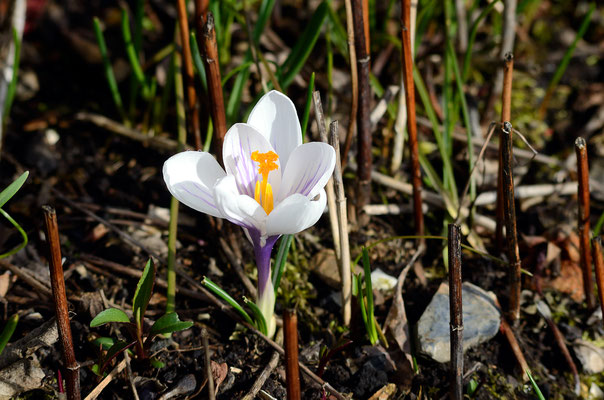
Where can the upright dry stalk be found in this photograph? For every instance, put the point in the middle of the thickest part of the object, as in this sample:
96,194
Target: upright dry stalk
456,321
345,270
416,177
201,12
331,197
509,210
208,362
57,281
584,231
354,104
596,247
364,162
183,24
292,373
214,85
506,115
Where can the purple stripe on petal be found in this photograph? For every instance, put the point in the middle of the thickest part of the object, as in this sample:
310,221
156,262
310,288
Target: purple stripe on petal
196,195
315,178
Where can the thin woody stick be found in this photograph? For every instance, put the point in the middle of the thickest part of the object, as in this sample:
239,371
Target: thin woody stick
596,247
354,105
510,221
214,85
583,176
364,161
456,318
411,122
57,281
331,197
506,105
292,373
345,270
183,24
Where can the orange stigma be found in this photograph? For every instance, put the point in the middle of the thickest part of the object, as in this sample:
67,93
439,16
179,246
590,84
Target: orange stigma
264,191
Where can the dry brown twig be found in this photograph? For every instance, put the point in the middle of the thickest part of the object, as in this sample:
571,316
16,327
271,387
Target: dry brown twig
214,85
511,233
353,80
57,280
416,176
596,247
183,24
583,220
506,100
455,308
344,260
364,158
292,374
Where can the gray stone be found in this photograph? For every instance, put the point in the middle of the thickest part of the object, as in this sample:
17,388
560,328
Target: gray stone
481,320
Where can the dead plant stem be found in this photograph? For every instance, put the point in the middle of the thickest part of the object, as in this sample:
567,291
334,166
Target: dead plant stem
57,281
583,221
292,374
183,24
329,188
214,85
509,209
364,158
506,105
596,247
456,318
416,178
354,105
345,270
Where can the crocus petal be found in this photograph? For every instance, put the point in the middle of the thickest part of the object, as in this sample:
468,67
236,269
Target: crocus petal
190,177
238,208
295,213
310,167
239,144
276,118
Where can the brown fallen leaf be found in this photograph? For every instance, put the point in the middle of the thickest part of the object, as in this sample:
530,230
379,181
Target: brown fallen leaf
219,373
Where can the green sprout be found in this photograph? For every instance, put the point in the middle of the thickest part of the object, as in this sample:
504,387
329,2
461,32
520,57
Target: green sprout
140,336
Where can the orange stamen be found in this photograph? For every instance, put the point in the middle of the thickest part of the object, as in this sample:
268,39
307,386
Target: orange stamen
263,192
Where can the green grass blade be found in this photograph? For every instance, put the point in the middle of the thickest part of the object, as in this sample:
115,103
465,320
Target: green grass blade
217,290
109,76
131,51
566,58
233,105
21,232
466,116
300,52
599,224
473,31
13,188
306,115
369,296
535,387
8,331
284,245
339,36
139,14
260,320
198,63
235,71
12,87
446,160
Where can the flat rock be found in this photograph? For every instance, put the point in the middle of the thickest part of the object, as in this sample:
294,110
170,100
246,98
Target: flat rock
481,320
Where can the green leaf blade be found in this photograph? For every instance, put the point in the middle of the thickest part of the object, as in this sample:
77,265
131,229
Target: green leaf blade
169,323
13,188
144,289
109,315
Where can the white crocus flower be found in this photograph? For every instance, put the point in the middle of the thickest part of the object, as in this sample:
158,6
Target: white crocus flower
273,184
